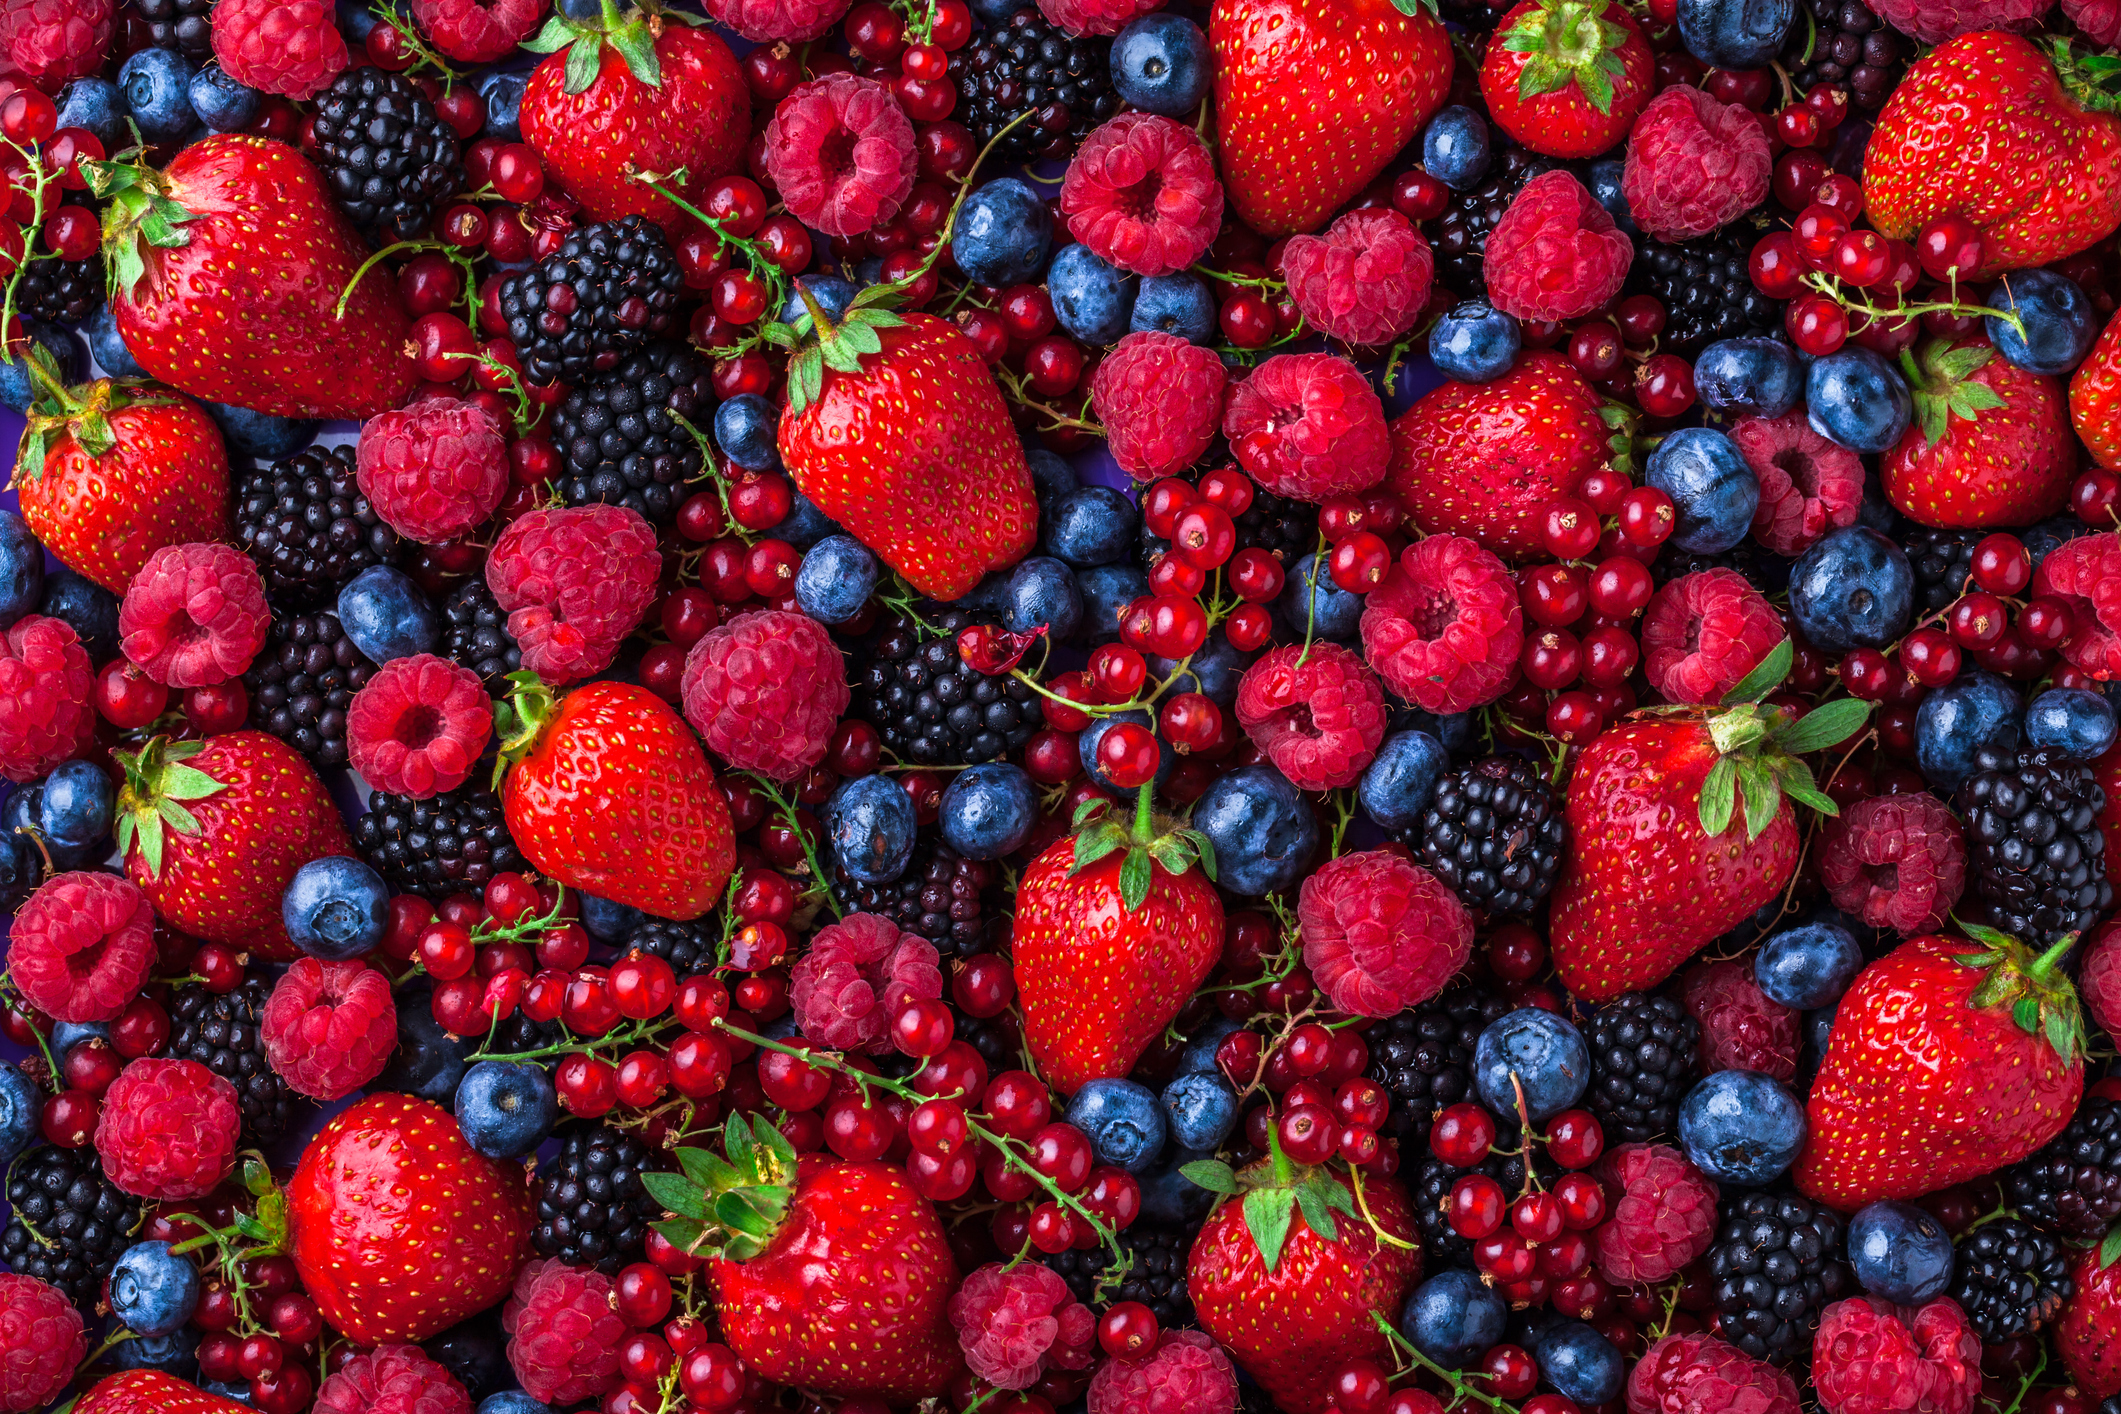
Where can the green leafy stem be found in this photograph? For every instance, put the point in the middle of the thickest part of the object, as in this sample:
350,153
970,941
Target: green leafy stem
771,789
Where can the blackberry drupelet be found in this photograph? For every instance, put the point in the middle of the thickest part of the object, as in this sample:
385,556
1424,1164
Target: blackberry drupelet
452,843
930,706
618,433
475,633
1843,44
1642,1052
1156,1278
687,947
593,1210
60,291
83,1221
1493,834
609,288
1705,287
994,1037
939,897
1474,14
2037,854
385,154
1460,235
305,523
1761,567
183,25
1942,560
2073,1184
220,1030
519,1033
1027,64
302,682
1424,1057
2010,1278
1775,1264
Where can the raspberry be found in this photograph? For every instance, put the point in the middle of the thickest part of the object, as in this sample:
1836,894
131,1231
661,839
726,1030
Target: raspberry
169,1130
1702,1374
2085,573
2099,19
765,691
769,21
573,583
1381,934
1142,194
51,41
1556,253
1873,1357
41,1341
564,1331
329,1027
1935,21
1894,861
1445,627
83,945
1187,1373
1095,16
1693,164
1161,401
1316,712
840,150
859,973
1366,280
46,718
392,1379
1808,485
194,615
289,47
419,725
1663,1218
1309,426
1703,632
433,469
2099,979
1741,1029
1015,1323
476,31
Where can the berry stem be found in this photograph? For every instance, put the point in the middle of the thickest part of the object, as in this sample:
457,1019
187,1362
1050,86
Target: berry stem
786,806
1460,1381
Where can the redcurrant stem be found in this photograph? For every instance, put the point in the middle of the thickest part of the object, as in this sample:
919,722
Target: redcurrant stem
361,271
787,809
51,1066
1898,316
754,257
624,1036
2026,1382
1459,1380
1362,1202
710,472
41,180
1256,282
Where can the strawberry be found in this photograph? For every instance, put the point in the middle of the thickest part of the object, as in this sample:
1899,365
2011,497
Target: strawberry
1567,77
1483,459
621,102
1947,1062
2095,397
1312,100
895,429
233,279
1657,862
2088,1335
1989,446
152,1392
1114,930
398,1227
609,791
214,832
1983,126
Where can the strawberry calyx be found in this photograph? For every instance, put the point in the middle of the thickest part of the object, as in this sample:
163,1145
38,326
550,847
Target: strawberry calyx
157,783
817,342
2094,80
1176,847
141,208
633,34
520,718
2041,1000
1273,1190
1568,42
1942,384
82,413
728,1207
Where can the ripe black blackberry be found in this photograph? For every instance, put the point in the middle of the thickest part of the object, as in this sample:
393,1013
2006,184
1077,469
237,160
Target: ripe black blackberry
1843,44
60,291
608,288
221,1031
475,633
1642,1051
687,947
1459,236
307,525
302,682
1775,1264
2010,1278
929,705
1027,64
2073,1184
451,843
1942,561
1474,14
1424,1057
593,1210
183,25
385,154
1760,566
1156,1277
69,1223
618,435
940,897
1493,833
1706,289
2034,843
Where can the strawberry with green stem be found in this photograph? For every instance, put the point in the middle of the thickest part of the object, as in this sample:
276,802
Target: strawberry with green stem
1567,77
1990,445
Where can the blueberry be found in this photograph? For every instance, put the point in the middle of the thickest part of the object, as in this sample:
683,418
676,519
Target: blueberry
836,578
1809,965
1853,589
1756,377
1161,64
152,1290
1738,1126
68,1034
1092,525
261,436
85,606
1579,1362
1974,710
512,1402
1453,1318
606,921
1858,400
869,822
1123,1120
1262,829
107,345
746,428
1169,1197
989,598
22,815
503,93
21,1103
387,616
174,1354
336,908
1394,790
505,1109
157,88
1042,593
1712,488
1604,183
21,568
988,811
806,524
221,103
428,1062
357,19
76,809
1474,343
1092,302
1180,304
475,1350
1735,34
1086,750
1201,1110
1330,611
830,293
2060,321
17,391
1051,475
1543,1051
21,868
1455,147
95,104
234,1391
1003,234
1107,590
1900,1253
2070,720
1198,1055
1214,672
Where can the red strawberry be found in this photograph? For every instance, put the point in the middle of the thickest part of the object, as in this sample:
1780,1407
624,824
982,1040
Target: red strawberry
152,1392
1984,127
1313,99
2095,397
1114,930
398,1227
611,793
214,831
1567,77
1947,1062
230,268
1989,446
2089,1333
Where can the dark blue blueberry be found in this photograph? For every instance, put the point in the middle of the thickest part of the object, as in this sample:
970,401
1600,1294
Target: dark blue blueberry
806,524
2060,321
86,606
174,1354
1123,1120
1712,488
1214,672
1201,1110
475,1350
1092,302
746,428
1474,343
1604,183
1753,376
428,1062
1541,1049
221,103
1180,304
1198,1057
1974,710
1858,400
21,868
234,1391
1453,1318
261,436
21,1102
988,811
336,908
1042,593
68,1034
1086,749
1808,966
21,568
836,578
1168,1196
1735,34
987,599
157,88
1394,790
1329,611
95,104
830,293
503,93
512,1402
152,1290
17,391
1900,1253
506,1109
23,811
76,809
2041,540
1738,1126
1455,147
1051,475
606,921
387,616
2072,721
357,19
108,345
990,14
1161,64
1262,829
1580,1363
1853,589
1003,234
870,824
1107,590
1092,525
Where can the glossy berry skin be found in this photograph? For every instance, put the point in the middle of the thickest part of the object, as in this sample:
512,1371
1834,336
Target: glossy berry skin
152,1392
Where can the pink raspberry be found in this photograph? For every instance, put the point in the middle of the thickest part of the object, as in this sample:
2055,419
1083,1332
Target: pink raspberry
1096,16
477,31
1014,1323
1932,22
1702,1374
1445,628
1366,280
1309,426
433,469
194,615
1663,1217
1741,1028
169,1130
2085,574
419,725
46,718
41,1341
1556,253
83,945
1316,712
1703,632
289,47
392,1379
48,42
329,1027
840,150
2099,19
1895,861
2099,979
564,1331
1693,164
1381,934
771,21
574,582
765,692
1142,194
1873,1357
859,973
1161,402
1808,485
1187,1373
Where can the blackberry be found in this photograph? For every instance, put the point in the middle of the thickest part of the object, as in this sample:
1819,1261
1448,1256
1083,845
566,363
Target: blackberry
939,897
1474,14
1942,561
593,1210
302,682
475,633
183,25
1642,1051
1775,1264
1459,235
1424,1057
307,525
519,1033
2034,843
1027,64
221,1031
1769,572
994,1037
385,154
69,1223
618,433
609,288
1494,834
1706,289
2010,1278
452,843
928,704
1156,1277
60,291
687,947
2073,1184
1841,43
